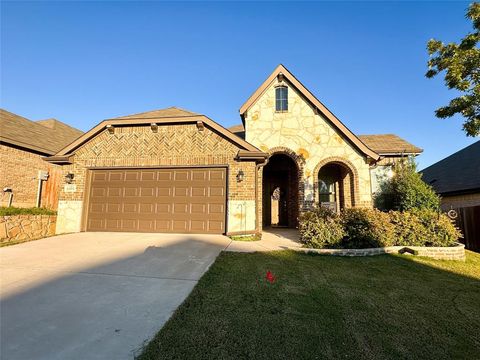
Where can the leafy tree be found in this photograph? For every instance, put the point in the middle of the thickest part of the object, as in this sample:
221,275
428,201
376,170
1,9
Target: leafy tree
406,190
461,63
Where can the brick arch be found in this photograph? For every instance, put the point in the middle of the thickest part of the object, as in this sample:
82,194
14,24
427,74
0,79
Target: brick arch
300,162
352,171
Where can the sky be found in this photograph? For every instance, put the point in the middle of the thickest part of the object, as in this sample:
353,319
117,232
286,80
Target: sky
83,62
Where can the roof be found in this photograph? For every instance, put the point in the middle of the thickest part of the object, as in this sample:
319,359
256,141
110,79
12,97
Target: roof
385,144
457,173
171,115
161,113
238,130
281,70
43,136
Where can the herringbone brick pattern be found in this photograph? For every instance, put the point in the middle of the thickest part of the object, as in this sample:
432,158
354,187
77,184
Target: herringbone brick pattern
171,145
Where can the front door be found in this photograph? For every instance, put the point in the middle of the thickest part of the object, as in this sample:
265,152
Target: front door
279,207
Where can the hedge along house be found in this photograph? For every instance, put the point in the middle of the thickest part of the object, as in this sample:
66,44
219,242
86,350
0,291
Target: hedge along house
173,170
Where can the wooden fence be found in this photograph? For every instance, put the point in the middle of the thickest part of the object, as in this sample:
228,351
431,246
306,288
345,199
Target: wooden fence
468,221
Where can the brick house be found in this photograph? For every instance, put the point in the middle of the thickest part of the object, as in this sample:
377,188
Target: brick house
173,170
23,144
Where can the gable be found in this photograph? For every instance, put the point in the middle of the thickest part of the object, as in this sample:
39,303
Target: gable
281,73
160,120
169,141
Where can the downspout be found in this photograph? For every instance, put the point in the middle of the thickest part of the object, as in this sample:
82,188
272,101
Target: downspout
257,169
39,192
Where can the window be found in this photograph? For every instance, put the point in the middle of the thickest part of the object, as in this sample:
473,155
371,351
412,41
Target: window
281,98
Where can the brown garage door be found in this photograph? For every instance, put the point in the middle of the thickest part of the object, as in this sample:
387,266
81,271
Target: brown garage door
183,200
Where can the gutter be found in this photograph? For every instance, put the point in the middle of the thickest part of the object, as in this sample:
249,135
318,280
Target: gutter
59,160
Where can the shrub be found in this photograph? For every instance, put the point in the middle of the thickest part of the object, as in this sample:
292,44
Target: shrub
321,228
6,211
406,190
409,230
367,228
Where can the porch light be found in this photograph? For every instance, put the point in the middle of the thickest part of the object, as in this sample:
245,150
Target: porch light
240,176
69,178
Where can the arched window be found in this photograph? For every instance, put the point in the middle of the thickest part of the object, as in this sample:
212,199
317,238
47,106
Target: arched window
281,98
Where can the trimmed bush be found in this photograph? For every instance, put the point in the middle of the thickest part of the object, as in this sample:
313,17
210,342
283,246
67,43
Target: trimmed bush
366,228
7,211
424,228
321,228
361,228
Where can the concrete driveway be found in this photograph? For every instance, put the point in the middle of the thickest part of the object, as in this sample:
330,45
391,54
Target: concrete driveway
96,295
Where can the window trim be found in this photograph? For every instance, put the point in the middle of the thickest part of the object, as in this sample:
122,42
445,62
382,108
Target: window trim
281,100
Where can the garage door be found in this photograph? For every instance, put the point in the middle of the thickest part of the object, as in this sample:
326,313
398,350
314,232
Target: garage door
187,200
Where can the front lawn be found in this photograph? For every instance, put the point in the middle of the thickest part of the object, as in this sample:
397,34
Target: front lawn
319,307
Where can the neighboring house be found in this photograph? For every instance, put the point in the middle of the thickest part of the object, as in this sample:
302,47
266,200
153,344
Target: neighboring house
457,178
23,144
173,170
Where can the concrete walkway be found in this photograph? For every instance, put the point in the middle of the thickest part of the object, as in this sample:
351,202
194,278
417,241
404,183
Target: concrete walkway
272,239
96,295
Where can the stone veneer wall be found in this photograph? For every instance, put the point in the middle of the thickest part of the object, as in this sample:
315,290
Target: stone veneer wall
26,227
308,135
172,145
456,252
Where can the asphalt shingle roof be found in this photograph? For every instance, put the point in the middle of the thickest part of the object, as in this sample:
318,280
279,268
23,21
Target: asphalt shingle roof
161,113
459,172
389,143
43,136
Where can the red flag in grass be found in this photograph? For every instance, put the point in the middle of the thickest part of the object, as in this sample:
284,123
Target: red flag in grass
270,277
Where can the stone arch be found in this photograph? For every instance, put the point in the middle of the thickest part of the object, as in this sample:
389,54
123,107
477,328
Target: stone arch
353,188
296,191
300,161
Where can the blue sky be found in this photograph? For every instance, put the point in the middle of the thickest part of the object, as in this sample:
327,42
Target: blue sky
82,62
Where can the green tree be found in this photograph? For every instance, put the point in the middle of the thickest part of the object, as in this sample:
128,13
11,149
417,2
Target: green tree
461,63
406,190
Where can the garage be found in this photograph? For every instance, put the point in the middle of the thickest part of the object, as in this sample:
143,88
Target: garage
178,200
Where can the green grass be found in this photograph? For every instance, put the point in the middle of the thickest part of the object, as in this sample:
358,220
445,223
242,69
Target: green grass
7,211
383,307
252,237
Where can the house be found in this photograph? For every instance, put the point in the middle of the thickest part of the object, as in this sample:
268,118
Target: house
23,144
174,170
457,178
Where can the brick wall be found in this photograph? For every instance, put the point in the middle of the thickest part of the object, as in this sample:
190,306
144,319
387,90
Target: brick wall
459,201
171,145
19,171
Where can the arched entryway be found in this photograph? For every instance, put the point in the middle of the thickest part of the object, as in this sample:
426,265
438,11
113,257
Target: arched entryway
335,185
280,191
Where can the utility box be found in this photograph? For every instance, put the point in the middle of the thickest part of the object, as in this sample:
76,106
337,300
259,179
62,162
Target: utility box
42,175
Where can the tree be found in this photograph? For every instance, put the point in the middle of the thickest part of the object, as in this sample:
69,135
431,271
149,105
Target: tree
406,190
461,63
